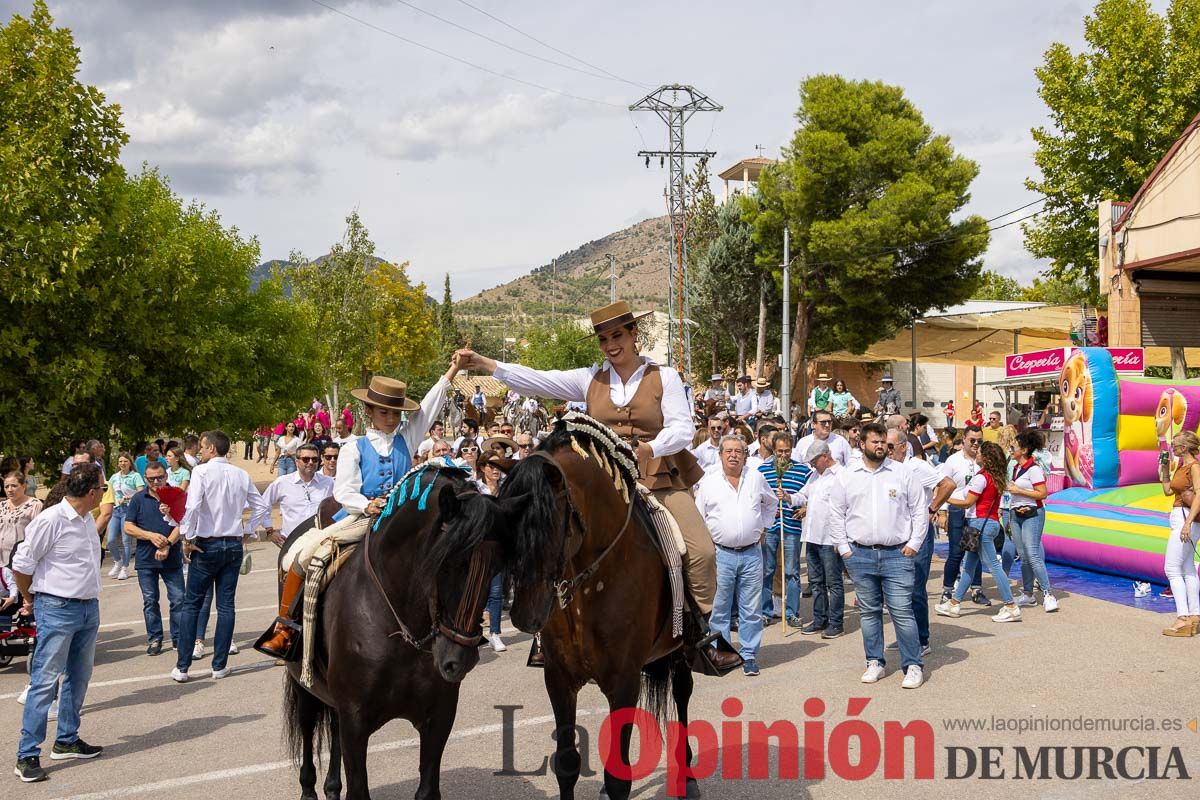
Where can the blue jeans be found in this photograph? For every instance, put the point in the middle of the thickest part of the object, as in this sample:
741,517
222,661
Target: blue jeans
885,576
770,560
66,646
495,602
791,572
120,544
173,580
920,597
825,580
1027,535
740,580
202,618
955,519
286,465
1008,550
987,554
215,568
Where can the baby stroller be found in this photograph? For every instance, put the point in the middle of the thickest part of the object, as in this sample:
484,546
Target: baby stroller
18,636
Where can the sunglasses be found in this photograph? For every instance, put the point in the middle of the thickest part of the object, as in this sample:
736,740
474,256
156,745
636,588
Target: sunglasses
308,460
524,446
156,478
332,457
824,423
973,441
466,450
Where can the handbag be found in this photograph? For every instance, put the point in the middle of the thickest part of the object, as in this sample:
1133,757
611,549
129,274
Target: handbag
1025,512
970,538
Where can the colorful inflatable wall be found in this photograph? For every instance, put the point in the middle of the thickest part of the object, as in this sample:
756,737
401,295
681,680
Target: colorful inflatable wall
1114,516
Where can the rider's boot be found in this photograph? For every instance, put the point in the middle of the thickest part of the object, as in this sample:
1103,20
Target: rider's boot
711,653
278,641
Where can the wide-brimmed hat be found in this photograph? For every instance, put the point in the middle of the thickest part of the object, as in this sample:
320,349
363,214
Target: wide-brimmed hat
613,316
495,459
887,379
489,442
823,377
386,393
717,377
762,383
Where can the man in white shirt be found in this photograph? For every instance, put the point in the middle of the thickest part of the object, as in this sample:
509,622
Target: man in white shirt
329,457
937,488
341,432
760,450
839,448
824,564
213,533
468,430
191,450
57,570
737,505
298,495
764,400
436,431
960,467
524,446
878,521
708,451
743,401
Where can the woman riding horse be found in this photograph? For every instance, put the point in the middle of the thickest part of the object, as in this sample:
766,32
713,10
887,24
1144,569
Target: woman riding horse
647,407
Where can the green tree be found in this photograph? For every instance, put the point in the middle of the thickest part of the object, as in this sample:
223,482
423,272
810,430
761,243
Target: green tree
1116,106
405,334
994,286
728,284
556,345
448,334
59,148
867,191
335,291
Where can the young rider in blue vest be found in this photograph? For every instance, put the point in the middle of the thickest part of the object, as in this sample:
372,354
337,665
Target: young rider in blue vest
367,469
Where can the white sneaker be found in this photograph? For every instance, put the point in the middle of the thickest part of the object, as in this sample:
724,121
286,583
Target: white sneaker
122,574
53,713
1050,604
179,676
913,678
112,573
948,608
926,650
1025,600
24,693
1008,614
233,651
221,673
874,672
497,643
198,650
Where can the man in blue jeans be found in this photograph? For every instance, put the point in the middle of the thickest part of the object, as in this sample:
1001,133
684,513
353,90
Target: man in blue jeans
57,570
960,467
783,474
878,521
159,555
824,564
213,533
736,505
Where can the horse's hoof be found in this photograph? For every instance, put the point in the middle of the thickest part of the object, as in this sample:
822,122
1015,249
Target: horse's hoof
693,789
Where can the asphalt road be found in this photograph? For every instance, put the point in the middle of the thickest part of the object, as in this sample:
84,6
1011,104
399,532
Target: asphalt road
222,738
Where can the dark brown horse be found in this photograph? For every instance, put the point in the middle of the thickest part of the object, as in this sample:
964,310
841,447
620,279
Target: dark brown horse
400,624
610,615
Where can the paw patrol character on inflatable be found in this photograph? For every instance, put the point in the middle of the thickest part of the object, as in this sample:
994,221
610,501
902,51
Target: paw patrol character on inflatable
1075,383
1168,420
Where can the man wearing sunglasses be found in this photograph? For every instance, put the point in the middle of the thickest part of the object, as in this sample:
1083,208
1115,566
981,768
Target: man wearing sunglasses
524,446
329,457
159,555
960,467
298,495
57,570
839,448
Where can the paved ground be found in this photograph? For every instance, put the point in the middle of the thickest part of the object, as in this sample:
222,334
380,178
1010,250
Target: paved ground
212,738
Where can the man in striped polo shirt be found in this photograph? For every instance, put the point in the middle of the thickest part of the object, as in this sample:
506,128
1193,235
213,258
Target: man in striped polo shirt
781,472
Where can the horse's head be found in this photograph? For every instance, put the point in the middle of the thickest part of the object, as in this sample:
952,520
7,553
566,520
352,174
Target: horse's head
544,531
464,556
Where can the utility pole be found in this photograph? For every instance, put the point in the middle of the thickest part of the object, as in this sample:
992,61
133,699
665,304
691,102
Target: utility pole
785,359
675,110
612,277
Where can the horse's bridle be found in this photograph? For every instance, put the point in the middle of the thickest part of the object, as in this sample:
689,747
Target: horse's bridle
478,579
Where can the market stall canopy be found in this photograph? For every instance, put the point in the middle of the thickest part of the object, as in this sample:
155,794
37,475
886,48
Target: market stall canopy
982,332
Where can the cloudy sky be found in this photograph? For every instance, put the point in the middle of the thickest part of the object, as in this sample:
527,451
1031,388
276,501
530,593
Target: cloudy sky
284,115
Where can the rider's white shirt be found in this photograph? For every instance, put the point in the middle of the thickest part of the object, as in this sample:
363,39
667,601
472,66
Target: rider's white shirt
347,486
678,428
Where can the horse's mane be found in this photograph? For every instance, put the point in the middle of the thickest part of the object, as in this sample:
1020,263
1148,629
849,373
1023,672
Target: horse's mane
593,439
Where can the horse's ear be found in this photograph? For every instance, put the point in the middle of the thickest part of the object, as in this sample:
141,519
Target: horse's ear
449,503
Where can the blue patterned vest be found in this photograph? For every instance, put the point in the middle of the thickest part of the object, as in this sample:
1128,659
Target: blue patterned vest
380,474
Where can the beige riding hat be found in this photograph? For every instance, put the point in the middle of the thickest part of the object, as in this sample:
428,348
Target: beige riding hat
386,393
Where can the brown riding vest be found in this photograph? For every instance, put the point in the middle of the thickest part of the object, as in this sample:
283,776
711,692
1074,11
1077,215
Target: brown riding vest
643,418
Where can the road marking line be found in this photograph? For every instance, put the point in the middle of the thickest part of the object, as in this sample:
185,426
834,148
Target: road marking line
138,621
253,666
271,766
118,584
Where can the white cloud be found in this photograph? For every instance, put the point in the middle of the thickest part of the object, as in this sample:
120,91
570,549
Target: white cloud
465,126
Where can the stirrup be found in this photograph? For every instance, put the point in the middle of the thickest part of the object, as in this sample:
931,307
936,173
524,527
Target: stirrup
699,658
294,644
535,650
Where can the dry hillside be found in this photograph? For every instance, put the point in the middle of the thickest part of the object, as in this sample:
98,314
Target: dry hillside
579,280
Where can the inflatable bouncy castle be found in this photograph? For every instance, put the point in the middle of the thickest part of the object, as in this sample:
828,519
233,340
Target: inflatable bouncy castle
1113,518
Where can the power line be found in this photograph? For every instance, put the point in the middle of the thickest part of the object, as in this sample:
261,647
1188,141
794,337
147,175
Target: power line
552,47
463,61
506,46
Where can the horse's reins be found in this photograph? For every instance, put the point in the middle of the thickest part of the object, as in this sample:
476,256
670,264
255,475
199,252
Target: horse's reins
565,589
478,573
